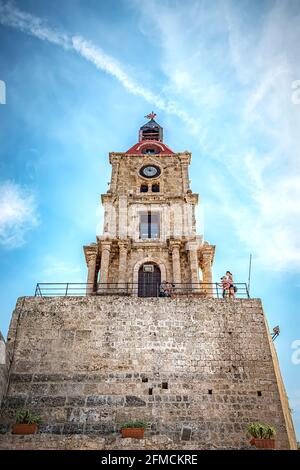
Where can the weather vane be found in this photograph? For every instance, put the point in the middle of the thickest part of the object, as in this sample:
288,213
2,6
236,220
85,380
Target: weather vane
152,115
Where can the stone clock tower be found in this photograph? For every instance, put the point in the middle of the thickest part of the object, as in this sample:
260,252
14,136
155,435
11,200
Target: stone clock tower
149,222
196,368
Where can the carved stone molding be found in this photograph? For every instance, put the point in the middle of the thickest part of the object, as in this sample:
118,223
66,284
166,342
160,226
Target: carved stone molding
185,158
90,252
124,245
207,256
192,245
174,244
205,263
105,246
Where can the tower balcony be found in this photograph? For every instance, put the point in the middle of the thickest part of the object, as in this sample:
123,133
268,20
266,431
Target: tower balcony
171,290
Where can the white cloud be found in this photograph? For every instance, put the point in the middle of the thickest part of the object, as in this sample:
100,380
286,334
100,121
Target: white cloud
265,221
13,17
18,214
241,73
272,225
55,269
10,15
235,77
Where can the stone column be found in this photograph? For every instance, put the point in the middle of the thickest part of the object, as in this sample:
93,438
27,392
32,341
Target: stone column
178,220
114,160
185,179
175,248
192,248
109,224
123,247
105,253
185,161
91,278
122,217
206,264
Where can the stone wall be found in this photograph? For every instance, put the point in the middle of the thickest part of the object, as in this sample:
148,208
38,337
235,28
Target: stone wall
197,370
3,368
173,179
43,441
140,253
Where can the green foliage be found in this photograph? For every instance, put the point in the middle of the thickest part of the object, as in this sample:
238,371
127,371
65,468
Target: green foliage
261,431
26,417
134,424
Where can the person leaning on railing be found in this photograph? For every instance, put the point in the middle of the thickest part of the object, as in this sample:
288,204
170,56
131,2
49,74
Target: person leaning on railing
225,286
166,289
162,289
169,289
232,288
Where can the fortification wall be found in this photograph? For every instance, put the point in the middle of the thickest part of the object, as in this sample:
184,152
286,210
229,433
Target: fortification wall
197,370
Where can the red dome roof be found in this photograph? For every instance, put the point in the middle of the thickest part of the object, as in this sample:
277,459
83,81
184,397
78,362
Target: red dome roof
141,148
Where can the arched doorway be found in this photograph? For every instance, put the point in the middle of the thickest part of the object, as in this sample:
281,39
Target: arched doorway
149,280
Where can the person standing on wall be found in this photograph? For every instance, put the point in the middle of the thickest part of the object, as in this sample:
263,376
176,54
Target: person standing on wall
232,289
225,286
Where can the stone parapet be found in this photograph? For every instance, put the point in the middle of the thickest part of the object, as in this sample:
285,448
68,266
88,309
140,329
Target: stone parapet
87,442
196,369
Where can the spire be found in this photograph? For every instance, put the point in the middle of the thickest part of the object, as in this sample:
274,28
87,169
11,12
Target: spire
151,130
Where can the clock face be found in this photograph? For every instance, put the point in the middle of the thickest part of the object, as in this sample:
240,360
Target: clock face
150,171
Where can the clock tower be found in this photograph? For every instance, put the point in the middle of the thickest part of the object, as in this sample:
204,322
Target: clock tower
149,233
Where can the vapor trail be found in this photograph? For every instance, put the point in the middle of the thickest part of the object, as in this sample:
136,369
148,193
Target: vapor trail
11,16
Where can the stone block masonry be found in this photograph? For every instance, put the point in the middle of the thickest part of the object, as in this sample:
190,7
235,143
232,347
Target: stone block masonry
197,370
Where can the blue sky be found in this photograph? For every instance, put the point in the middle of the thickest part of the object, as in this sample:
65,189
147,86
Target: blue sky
223,78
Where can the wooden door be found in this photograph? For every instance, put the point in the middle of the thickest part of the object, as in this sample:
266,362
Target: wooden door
149,280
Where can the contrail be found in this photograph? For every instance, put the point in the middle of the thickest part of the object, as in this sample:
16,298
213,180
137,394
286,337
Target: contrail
11,16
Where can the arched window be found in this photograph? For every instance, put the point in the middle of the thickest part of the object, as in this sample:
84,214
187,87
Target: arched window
150,151
144,188
155,188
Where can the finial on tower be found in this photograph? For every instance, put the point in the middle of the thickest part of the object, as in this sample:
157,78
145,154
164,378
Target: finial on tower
151,116
151,130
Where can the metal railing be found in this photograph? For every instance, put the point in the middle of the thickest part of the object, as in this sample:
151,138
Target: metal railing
213,289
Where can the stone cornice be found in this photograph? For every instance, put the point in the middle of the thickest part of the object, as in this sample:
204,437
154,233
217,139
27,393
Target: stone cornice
114,157
192,245
157,198
105,245
174,243
185,157
161,198
157,244
107,197
124,244
192,198
207,254
90,252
